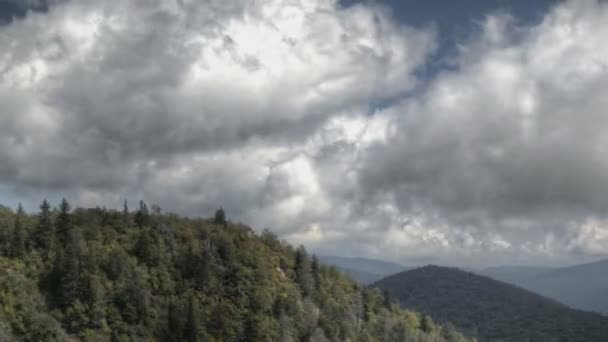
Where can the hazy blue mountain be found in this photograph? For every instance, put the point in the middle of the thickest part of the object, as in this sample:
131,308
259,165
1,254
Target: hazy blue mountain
583,287
362,270
489,309
361,277
514,274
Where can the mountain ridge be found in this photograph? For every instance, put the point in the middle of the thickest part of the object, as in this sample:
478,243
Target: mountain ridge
98,275
583,286
363,270
489,309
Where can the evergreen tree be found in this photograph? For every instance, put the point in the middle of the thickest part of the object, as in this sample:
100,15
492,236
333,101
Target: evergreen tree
125,213
192,330
71,277
427,325
64,223
204,269
5,238
44,234
220,217
285,330
17,248
175,321
387,299
142,217
197,283
316,272
147,249
303,271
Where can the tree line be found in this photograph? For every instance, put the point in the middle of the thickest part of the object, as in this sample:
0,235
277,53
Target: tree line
96,274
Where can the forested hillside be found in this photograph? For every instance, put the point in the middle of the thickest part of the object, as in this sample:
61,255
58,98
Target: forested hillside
107,275
492,310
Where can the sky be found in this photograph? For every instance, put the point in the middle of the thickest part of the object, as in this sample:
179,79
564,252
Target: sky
466,133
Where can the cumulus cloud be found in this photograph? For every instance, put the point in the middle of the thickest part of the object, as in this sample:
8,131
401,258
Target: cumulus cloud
510,146
193,104
267,108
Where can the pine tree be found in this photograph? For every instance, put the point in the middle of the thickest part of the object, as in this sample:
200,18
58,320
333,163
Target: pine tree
316,272
147,249
64,224
125,213
204,269
70,272
17,248
285,329
175,321
387,299
220,217
192,329
427,325
303,271
142,217
43,237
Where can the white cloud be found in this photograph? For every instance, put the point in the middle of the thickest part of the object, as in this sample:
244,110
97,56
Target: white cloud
263,107
510,145
257,106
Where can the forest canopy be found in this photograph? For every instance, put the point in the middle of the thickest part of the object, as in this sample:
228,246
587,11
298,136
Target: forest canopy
119,275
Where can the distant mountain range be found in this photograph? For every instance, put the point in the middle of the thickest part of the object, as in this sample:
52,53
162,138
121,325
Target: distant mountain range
492,310
362,270
583,287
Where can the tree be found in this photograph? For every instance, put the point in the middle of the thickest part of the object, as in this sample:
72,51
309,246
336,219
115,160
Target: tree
318,336
125,212
70,272
386,299
147,248
427,325
285,329
175,321
17,248
142,217
64,223
192,329
204,269
43,237
449,332
316,272
303,271
220,217
114,282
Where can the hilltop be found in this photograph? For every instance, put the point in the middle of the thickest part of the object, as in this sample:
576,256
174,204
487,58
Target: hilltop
107,275
489,309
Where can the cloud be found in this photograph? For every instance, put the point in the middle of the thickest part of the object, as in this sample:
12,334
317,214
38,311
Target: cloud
268,108
509,146
253,105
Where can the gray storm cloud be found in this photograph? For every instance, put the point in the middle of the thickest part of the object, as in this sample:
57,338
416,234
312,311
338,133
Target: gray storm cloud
511,146
264,107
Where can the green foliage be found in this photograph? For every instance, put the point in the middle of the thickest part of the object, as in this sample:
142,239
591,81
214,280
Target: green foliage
105,275
22,308
44,234
63,225
220,217
142,217
303,270
488,309
17,248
